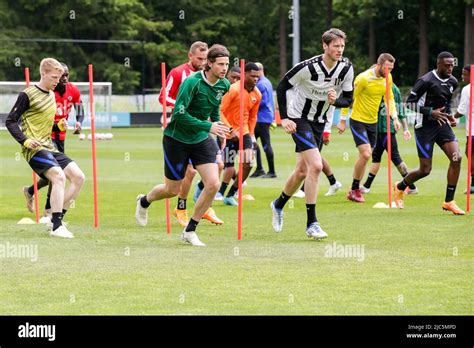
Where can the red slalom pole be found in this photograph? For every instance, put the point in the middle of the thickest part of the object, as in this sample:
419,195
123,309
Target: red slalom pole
165,123
469,140
241,148
94,162
35,182
389,137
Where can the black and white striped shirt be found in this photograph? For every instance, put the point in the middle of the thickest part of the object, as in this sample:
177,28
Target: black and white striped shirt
305,88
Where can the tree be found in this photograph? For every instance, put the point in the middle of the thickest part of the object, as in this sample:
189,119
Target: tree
423,37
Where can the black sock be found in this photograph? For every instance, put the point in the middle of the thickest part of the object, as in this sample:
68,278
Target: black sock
48,202
311,214
64,212
302,187
144,203
450,190
472,180
402,185
332,179
31,190
411,186
355,184
191,226
369,180
181,204
56,220
281,201
201,185
223,188
232,191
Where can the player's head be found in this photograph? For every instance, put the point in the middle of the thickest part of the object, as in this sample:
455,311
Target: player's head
445,64
51,71
384,61
61,86
252,74
260,65
334,41
217,60
234,74
466,73
197,55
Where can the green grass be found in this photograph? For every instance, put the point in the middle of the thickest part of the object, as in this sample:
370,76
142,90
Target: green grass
416,261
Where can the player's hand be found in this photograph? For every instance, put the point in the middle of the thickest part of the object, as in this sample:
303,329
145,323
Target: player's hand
332,96
326,138
234,135
77,128
452,121
341,126
31,144
219,129
440,116
222,142
396,125
406,135
288,125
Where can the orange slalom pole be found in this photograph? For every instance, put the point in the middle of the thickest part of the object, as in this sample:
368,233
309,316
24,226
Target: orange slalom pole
165,123
389,138
241,148
469,140
94,162
35,182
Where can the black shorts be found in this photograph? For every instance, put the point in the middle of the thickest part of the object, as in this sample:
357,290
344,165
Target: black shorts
381,146
308,135
429,134
364,133
59,144
44,159
178,155
231,150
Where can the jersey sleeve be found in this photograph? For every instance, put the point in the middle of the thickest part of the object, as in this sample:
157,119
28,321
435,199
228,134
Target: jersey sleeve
463,107
13,119
173,81
186,93
348,84
418,90
254,113
360,83
296,75
225,106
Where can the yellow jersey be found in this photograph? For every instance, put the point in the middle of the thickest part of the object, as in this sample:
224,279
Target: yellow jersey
369,91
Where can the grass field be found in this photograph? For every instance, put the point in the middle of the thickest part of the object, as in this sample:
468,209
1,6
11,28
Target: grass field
415,261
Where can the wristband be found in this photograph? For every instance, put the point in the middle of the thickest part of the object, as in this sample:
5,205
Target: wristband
27,142
60,126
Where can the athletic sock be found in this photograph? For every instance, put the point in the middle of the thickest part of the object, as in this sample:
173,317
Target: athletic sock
64,212
355,184
332,179
56,220
472,180
191,226
48,202
223,188
311,214
402,185
181,204
31,190
201,185
232,191
281,201
369,180
450,190
144,203
411,186
302,187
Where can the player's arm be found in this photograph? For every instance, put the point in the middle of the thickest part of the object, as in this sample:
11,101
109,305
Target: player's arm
12,122
463,107
253,114
418,90
347,95
173,81
225,107
297,74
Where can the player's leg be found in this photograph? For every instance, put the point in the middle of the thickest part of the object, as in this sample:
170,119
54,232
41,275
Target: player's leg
472,162
400,165
229,153
267,148
76,180
327,170
180,212
210,213
451,149
259,171
176,155
424,139
377,153
57,178
247,156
